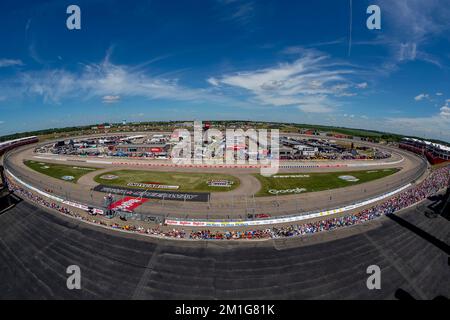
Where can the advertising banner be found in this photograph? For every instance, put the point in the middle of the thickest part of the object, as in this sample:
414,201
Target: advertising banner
197,223
161,195
127,204
220,183
152,185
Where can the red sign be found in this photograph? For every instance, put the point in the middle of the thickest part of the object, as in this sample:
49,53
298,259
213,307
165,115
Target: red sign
236,147
155,149
127,204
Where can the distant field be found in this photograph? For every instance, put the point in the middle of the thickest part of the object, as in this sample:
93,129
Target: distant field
313,182
58,171
187,182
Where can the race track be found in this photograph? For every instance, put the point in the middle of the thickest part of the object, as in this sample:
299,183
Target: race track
226,205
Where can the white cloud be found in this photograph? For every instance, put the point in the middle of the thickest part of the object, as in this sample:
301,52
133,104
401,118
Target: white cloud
103,80
311,108
241,11
10,63
302,48
311,83
408,51
362,85
445,111
346,94
439,93
213,81
111,99
413,24
244,12
436,125
421,97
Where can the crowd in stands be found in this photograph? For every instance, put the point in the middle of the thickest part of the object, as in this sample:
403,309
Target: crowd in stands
436,181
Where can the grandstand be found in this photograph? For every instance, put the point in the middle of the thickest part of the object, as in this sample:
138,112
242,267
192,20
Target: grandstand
446,205
2,175
329,267
11,144
435,153
363,229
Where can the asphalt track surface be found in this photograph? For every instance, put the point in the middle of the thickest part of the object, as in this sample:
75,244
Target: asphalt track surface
236,204
36,247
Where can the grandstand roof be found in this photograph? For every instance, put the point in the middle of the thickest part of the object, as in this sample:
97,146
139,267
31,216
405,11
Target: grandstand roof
429,143
15,140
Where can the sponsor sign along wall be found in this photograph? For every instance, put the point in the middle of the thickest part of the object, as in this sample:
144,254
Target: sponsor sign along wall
152,185
241,223
220,183
204,197
55,198
127,204
160,194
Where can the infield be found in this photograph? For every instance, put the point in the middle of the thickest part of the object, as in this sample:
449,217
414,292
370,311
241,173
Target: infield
189,182
284,184
59,171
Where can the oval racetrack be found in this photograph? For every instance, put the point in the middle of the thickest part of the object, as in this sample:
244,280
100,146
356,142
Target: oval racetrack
36,247
229,204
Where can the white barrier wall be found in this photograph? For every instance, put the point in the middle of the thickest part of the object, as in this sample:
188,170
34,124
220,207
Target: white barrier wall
241,223
53,197
283,164
244,223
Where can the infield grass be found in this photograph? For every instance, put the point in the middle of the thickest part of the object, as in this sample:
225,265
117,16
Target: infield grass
314,182
187,182
58,170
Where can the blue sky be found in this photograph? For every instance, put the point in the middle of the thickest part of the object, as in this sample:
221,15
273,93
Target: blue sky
290,61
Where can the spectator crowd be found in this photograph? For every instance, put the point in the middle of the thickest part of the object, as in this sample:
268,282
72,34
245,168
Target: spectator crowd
436,181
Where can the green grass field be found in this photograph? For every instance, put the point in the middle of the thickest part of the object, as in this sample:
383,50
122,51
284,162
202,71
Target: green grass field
187,182
313,182
58,170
